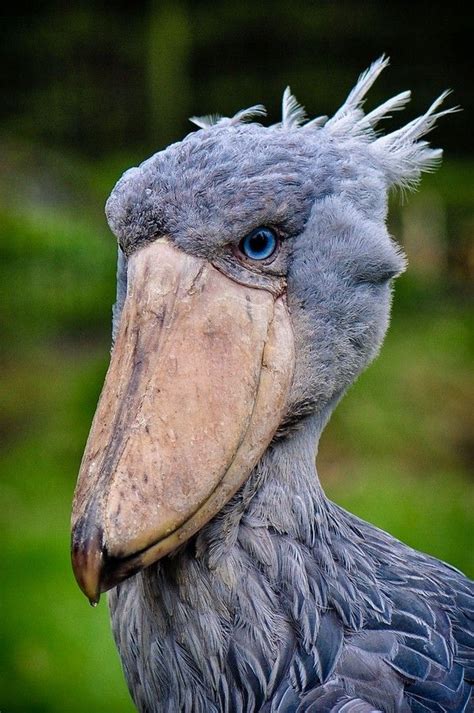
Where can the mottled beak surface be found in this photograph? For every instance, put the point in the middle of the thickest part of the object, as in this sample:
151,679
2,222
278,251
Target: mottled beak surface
196,388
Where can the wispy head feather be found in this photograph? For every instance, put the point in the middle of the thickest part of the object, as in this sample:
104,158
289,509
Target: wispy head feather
401,155
292,113
207,122
357,95
252,112
384,110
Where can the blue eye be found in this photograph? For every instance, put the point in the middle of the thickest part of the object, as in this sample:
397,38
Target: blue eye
260,244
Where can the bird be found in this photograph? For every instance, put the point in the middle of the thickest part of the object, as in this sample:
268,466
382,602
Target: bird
254,285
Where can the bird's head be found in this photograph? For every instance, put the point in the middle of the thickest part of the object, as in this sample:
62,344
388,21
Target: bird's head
254,286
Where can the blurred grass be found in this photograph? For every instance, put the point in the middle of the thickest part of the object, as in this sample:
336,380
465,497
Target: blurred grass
398,451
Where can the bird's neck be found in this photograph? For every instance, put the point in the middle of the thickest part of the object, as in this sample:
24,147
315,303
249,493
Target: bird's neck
283,495
288,494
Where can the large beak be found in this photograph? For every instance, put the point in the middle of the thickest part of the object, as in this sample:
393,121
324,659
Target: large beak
196,388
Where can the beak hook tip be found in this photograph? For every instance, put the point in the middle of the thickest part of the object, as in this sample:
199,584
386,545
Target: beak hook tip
87,554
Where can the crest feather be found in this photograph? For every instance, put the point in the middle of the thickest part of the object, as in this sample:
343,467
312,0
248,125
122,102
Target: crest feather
422,125
292,113
357,95
252,112
317,122
383,111
403,155
205,122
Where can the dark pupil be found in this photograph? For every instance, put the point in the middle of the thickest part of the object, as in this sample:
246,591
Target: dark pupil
259,242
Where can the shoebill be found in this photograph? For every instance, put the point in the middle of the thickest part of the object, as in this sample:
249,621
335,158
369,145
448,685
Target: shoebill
254,285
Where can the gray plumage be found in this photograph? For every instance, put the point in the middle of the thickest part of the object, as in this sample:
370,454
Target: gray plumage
284,601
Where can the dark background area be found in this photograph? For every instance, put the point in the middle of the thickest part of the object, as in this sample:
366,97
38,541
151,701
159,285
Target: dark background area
89,89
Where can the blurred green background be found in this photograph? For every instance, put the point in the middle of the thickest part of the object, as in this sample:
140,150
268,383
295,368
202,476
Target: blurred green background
91,88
